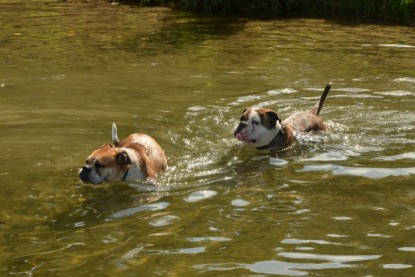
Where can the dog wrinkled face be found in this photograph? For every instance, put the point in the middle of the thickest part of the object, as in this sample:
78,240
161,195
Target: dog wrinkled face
105,164
257,126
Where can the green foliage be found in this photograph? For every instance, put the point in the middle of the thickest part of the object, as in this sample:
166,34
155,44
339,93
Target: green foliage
401,10
396,9
152,2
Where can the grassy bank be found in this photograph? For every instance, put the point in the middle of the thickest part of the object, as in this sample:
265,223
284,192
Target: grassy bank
399,10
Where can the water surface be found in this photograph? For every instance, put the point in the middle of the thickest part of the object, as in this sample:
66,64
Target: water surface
335,204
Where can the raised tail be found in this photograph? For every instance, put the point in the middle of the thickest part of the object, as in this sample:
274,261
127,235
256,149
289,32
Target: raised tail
317,107
115,135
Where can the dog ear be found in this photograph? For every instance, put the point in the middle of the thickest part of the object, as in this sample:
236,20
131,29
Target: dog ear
107,145
272,119
245,115
123,158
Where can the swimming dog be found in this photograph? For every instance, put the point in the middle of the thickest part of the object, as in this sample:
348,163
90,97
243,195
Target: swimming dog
263,128
137,157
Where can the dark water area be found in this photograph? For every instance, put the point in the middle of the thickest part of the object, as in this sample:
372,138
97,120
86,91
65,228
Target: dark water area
338,203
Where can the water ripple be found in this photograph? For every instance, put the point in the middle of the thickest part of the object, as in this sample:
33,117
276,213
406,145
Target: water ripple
163,221
207,239
368,172
197,196
405,79
244,99
395,93
328,156
393,45
142,208
397,266
239,203
302,241
409,155
193,250
408,249
272,267
331,258
281,91
277,162
286,268
356,90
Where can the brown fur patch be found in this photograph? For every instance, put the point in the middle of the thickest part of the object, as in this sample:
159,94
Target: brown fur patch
268,117
106,156
245,114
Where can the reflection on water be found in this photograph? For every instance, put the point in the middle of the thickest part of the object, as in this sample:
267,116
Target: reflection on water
294,269
141,208
367,172
338,203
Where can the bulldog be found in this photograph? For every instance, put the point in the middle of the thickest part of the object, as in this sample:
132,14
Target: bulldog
263,128
137,157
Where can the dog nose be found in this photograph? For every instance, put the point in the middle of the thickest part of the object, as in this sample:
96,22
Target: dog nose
238,129
83,174
86,168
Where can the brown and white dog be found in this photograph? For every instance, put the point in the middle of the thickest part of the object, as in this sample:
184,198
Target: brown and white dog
263,128
137,157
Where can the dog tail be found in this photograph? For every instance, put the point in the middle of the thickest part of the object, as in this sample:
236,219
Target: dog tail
115,135
317,107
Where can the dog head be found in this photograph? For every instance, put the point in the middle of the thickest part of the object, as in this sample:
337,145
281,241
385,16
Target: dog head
257,127
108,163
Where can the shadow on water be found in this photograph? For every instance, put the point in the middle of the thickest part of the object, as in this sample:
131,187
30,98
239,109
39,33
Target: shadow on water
180,32
97,204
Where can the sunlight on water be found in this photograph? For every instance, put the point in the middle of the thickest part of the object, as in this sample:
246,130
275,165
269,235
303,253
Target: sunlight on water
277,162
330,258
134,210
405,79
300,241
327,157
197,196
163,221
409,155
208,239
239,203
374,173
274,267
396,93
397,266
281,91
397,45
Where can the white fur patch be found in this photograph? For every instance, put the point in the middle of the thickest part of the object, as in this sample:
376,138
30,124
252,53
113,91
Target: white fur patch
258,133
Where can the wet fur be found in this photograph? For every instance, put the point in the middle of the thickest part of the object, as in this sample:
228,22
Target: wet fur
257,126
136,157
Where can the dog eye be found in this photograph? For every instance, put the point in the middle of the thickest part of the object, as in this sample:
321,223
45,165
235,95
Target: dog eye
98,165
254,122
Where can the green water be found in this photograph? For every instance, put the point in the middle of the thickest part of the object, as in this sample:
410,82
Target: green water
336,204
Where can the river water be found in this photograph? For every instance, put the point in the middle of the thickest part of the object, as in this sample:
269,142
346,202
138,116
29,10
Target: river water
339,203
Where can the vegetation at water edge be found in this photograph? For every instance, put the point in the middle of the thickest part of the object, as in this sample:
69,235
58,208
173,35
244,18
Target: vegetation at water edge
400,10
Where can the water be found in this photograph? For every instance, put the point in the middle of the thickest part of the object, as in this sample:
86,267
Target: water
335,204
